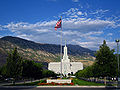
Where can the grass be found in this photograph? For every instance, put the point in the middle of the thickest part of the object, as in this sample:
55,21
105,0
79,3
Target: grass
75,81
86,83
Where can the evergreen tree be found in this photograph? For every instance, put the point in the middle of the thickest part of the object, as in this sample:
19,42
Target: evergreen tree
105,61
105,64
14,65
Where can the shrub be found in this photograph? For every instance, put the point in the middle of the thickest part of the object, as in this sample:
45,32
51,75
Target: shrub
71,83
52,83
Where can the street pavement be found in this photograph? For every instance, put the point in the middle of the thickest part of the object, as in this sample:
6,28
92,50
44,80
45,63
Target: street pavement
53,88
56,88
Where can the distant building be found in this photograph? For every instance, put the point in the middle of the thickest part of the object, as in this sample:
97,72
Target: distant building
67,66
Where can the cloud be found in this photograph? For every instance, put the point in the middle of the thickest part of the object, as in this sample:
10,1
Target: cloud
99,11
89,44
79,34
94,45
79,13
111,44
86,25
74,16
0,27
39,27
80,6
52,0
75,0
109,34
79,27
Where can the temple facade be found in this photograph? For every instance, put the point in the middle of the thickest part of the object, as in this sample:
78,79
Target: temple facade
67,66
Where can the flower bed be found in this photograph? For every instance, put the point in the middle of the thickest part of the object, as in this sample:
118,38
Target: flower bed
52,83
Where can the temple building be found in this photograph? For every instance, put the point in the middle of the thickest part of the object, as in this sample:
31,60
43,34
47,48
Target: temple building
67,66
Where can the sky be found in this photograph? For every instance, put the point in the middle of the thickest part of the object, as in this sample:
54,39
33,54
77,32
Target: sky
84,22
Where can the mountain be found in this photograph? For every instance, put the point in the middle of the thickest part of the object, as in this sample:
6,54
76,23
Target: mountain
42,52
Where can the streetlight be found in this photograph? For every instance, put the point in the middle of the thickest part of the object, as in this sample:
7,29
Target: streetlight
117,41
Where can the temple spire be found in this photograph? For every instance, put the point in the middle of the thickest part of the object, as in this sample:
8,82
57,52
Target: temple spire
65,56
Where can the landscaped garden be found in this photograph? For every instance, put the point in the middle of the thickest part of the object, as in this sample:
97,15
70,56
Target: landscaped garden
75,82
86,83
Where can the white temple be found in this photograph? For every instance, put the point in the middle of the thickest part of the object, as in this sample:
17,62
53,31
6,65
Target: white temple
67,66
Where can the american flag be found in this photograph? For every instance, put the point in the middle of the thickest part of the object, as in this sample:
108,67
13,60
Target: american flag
58,24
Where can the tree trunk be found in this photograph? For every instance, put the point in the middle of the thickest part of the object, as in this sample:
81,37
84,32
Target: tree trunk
14,82
105,80
24,81
95,79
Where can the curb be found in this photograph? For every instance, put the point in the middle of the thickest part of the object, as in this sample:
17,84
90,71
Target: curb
17,86
76,87
70,86
59,87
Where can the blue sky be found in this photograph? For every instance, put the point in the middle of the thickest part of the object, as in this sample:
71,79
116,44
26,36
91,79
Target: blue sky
85,22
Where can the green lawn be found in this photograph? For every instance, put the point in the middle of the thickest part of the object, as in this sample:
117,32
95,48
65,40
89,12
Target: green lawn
75,81
86,83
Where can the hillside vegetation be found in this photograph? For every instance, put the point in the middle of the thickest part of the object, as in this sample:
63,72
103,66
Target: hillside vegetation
43,52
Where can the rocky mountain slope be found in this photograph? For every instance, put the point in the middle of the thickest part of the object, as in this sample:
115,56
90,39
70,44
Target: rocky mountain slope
43,52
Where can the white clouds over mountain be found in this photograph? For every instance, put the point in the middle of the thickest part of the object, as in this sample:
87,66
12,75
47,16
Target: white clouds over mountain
78,28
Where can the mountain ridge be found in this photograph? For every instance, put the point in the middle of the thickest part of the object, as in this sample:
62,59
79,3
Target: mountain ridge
39,46
41,52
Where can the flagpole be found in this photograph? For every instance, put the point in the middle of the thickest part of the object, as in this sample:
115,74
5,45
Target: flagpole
61,47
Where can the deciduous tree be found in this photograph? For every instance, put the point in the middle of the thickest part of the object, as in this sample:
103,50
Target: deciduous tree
14,65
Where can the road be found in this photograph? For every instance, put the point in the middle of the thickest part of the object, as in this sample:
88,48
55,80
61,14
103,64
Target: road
55,88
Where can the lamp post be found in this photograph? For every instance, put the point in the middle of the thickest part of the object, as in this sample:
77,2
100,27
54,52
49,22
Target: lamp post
117,41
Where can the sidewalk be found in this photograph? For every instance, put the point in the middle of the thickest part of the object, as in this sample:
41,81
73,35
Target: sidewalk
20,82
109,87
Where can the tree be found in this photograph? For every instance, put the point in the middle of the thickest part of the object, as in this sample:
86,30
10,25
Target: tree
28,69
0,70
37,70
32,69
4,71
14,65
105,61
86,73
105,64
48,73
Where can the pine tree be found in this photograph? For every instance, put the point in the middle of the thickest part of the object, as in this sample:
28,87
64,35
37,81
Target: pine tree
105,61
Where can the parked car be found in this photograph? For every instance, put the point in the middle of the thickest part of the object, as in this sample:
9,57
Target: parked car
9,79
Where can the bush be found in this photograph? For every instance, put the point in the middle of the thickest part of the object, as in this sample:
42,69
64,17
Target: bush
42,81
52,83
